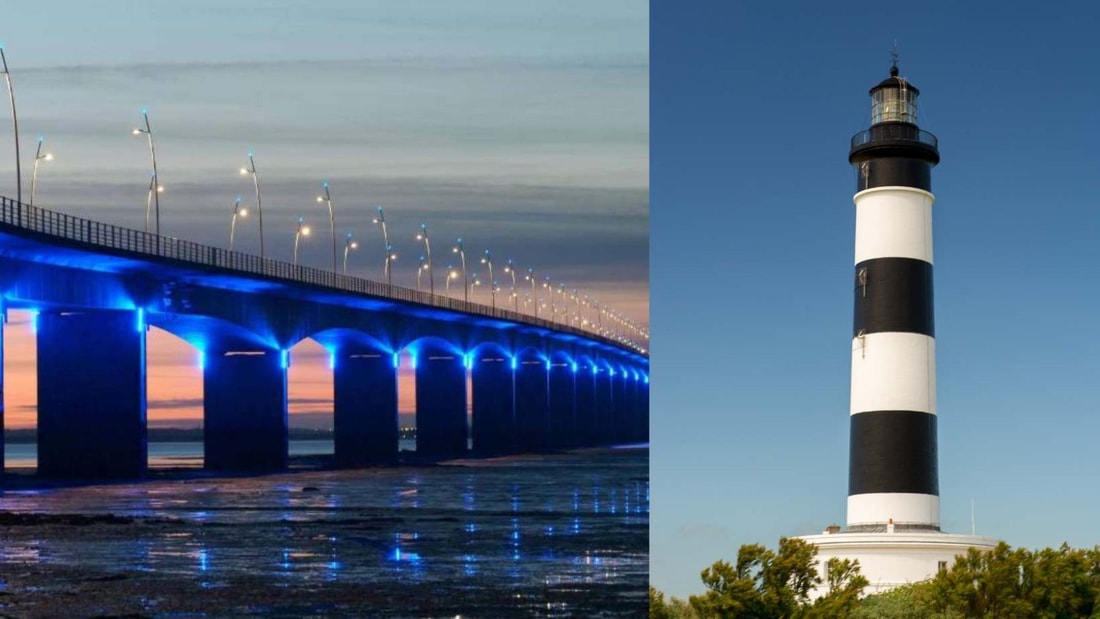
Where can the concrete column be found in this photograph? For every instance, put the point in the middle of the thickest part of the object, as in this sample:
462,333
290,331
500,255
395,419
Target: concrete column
605,409
630,408
244,409
494,422
621,414
532,404
3,320
562,396
365,424
643,408
440,402
91,394
586,417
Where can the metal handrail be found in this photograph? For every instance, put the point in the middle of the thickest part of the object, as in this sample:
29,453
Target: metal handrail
895,132
109,236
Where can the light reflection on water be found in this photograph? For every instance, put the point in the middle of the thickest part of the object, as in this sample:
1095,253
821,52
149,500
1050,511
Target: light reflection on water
524,526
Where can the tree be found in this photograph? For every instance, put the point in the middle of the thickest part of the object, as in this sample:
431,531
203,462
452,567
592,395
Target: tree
767,584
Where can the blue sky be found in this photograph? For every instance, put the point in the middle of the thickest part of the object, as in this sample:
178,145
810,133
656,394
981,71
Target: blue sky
752,250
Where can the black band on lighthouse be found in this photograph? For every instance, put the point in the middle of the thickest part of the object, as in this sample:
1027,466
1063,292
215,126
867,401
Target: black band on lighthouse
893,451
893,294
893,172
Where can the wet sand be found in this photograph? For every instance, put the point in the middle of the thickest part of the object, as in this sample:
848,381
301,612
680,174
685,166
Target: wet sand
537,536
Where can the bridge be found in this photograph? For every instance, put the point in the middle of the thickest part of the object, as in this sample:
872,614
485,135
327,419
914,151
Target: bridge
535,385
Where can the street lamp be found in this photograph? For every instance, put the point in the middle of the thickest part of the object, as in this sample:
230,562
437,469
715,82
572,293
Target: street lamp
155,187
550,288
38,156
15,127
423,236
237,212
327,199
534,293
386,270
488,260
451,274
348,246
303,230
458,249
424,265
510,269
251,169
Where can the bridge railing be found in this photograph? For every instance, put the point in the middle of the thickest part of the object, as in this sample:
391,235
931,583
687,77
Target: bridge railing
118,238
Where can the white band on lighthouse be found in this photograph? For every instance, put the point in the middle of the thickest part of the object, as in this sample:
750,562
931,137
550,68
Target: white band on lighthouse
893,372
894,222
902,508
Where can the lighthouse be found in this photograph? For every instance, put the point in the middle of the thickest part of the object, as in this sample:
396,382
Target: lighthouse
893,522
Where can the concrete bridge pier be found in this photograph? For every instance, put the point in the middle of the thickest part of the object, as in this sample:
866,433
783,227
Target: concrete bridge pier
586,419
365,424
245,408
605,411
440,402
563,428
620,383
494,422
643,409
91,394
532,403
630,407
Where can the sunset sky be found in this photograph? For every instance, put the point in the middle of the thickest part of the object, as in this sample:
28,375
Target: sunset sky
522,128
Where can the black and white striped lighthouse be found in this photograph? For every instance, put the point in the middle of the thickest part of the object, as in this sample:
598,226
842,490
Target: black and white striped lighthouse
892,474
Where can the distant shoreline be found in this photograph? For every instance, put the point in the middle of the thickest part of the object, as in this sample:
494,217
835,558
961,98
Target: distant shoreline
194,435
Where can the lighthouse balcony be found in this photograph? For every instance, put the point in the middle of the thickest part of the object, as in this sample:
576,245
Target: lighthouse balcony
894,139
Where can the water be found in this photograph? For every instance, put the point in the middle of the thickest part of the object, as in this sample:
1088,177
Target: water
173,455
550,536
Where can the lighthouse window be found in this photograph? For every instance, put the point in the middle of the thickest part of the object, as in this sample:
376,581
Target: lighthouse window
893,105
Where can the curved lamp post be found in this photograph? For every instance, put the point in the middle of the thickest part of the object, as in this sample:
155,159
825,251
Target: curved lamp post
423,236
303,230
386,270
348,246
251,169
451,274
488,260
510,269
15,127
458,249
550,287
237,212
420,269
38,156
534,294
155,187
327,199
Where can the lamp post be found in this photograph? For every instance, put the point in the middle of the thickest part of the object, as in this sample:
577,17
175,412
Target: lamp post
38,156
423,236
155,187
386,270
348,246
451,274
550,288
303,230
458,249
251,169
488,260
420,269
237,212
510,269
327,199
15,127
534,293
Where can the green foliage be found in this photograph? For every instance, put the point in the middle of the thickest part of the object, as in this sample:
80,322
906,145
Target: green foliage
766,584
674,608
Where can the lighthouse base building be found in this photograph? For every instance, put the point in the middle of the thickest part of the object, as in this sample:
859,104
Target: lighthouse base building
892,559
893,526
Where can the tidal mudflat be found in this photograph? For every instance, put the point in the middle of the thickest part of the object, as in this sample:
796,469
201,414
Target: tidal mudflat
533,536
